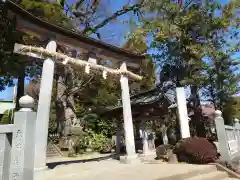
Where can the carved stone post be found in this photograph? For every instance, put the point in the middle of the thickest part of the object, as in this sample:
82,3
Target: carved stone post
23,141
237,122
144,136
127,116
44,109
164,134
237,130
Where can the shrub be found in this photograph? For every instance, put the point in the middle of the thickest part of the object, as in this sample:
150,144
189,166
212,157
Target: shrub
163,150
196,151
81,143
96,142
107,146
99,125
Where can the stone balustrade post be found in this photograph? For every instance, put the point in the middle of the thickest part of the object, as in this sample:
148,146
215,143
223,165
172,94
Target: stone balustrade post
164,134
144,136
237,123
237,131
23,141
222,136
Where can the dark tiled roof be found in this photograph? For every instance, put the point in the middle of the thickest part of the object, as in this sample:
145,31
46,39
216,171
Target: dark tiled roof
143,98
147,97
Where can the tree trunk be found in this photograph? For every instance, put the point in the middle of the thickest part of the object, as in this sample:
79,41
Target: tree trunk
60,101
197,109
65,104
20,86
65,107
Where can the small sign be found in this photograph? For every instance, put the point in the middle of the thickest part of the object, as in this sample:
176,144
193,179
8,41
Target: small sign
233,146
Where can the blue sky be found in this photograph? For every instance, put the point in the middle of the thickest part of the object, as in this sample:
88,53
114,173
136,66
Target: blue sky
114,33
6,94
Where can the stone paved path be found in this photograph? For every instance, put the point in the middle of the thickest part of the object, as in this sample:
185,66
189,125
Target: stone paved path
112,169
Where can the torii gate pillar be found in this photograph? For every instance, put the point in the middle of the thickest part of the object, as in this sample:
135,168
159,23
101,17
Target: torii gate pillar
183,113
127,117
44,102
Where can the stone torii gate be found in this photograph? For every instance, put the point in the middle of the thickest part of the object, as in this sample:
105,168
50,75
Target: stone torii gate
46,93
29,24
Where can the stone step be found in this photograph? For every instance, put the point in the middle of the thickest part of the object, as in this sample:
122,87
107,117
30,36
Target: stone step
52,151
52,155
48,151
217,175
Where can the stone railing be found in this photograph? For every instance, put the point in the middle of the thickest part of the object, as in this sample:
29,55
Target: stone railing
17,144
228,138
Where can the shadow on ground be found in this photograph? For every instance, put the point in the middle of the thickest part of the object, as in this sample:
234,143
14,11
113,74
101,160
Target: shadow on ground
52,165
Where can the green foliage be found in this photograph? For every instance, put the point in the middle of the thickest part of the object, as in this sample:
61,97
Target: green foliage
221,82
96,141
236,107
231,110
81,144
182,36
9,62
7,117
107,127
49,11
193,40
138,44
101,92
97,95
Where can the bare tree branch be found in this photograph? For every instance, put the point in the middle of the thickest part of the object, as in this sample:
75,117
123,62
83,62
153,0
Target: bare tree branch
79,3
94,5
78,88
89,30
186,5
